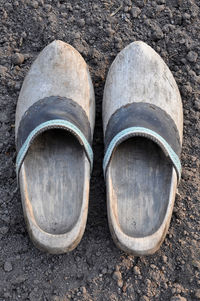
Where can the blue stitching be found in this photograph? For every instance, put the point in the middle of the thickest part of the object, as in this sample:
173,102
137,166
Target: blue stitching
138,130
57,122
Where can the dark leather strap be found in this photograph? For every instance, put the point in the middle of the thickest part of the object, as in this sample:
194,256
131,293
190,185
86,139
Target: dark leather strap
144,115
51,108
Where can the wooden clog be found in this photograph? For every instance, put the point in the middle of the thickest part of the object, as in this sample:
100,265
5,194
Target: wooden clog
54,129
143,126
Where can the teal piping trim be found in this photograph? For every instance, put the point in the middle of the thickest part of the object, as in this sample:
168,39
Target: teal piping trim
140,131
56,123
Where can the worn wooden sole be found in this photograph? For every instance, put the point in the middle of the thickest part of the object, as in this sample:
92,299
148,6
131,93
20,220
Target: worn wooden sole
142,117
55,190
54,177
140,196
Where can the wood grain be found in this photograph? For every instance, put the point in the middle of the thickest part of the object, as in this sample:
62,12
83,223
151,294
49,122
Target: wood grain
140,181
55,176
138,74
59,70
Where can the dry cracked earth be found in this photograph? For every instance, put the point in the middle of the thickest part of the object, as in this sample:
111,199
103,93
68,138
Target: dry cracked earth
96,269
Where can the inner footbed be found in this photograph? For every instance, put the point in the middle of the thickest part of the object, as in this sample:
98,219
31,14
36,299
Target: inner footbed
140,186
54,175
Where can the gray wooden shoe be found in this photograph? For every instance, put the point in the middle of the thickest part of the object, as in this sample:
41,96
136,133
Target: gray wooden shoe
143,126
54,129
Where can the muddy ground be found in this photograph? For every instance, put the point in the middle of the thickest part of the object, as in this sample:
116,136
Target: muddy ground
96,269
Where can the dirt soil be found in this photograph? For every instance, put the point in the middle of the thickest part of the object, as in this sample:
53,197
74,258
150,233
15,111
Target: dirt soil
97,269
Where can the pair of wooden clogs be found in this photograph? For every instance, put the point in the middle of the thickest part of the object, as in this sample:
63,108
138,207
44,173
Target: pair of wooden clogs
143,124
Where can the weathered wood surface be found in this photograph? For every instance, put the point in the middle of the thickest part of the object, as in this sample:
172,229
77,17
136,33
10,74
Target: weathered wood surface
141,182
54,178
138,74
59,70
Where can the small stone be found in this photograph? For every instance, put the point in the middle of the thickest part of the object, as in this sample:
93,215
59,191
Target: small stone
130,290
8,6
17,86
192,56
3,70
136,270
197,294
7,266
41,2
118,43
17,59
48,7
140,3
128,2
124,288
36,295
18,279
178,298
164,258
34,4
4,229
187,89
64,15
135,12
104,271
81,22
196,264
186,16
77,35
24,35
120,283
126,9
16,3
83,290
69,7
159,9
110,32
177,289
117,275
157,33
36,281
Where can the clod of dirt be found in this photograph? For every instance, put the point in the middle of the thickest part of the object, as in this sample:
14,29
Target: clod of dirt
34,4
117,275
157,33
18,59
164,258
83,290
3,229
3,70
135,12
136,270
48,7
81,22
7,266
192,56
120,283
